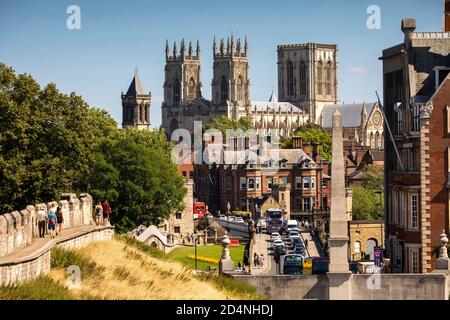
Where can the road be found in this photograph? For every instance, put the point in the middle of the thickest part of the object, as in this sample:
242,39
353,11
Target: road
313,250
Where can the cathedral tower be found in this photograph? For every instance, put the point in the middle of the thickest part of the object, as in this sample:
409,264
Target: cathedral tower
307,76
182,83
136,106
231,81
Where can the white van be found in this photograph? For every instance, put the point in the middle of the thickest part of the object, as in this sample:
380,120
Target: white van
292,224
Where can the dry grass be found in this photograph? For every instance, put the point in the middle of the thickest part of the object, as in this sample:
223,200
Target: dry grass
125,272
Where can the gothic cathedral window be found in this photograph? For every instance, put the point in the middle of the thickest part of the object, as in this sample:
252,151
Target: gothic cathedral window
303,83
191,89
176,92
224,89
239,86
320,78
329,77
290,79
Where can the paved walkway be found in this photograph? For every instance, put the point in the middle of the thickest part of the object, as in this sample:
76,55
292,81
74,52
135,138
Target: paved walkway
261,246
314,249
41,245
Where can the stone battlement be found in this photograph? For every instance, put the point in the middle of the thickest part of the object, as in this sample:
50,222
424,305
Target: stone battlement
19,228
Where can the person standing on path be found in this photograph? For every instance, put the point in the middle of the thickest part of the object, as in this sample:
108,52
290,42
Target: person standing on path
52,221
306,243
59,220
106,211
41,221
98,213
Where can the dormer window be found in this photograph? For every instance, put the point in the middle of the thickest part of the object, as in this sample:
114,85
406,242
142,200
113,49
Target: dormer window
440,75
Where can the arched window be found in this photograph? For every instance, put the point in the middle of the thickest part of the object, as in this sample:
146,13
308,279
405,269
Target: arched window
303,84
320,78
176,92
239,87
377,140
329,78
357,247
191,89
223,89
290,79
372,140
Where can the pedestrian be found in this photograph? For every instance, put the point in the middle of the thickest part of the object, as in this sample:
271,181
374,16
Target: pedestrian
59,220
51,218
239,266
98,213
106,211
306,243
41,220
261,260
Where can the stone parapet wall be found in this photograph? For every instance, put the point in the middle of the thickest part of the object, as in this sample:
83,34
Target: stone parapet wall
362,287
18,229
38,263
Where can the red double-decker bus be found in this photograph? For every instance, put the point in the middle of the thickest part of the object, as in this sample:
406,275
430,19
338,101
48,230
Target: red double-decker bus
199,210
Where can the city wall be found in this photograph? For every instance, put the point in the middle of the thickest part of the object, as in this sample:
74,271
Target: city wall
19,228
362,287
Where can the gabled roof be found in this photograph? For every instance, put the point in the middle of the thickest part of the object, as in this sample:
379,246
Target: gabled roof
351,114
136,87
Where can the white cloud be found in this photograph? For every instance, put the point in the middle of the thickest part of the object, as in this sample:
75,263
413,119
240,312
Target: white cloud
359,70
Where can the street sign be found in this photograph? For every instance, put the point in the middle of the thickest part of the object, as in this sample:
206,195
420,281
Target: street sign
378,256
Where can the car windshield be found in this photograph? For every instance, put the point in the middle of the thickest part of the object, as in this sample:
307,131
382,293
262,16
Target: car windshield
293,260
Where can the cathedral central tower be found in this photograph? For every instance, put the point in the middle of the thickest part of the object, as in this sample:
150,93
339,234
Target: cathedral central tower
231,81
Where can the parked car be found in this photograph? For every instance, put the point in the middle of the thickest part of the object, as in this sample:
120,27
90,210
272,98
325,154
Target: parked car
278,243
279,246
231,218
294,232
239,219
300,250
262,223
275,236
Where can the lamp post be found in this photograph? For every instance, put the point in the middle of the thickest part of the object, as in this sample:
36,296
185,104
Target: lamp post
228,215
195,236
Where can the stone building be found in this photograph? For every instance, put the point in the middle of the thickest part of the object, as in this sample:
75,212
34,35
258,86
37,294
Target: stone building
136,106
364,237
416,99
308,76
362,122
181,223
301,187
230,91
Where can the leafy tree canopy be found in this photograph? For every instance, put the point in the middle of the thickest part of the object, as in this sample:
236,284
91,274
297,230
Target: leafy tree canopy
366,198
313,134
223,123
52,143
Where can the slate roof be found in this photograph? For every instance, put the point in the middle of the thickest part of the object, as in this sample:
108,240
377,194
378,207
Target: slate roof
261,106
136,87
351,114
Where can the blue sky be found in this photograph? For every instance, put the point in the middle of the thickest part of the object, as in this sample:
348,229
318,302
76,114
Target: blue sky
98,61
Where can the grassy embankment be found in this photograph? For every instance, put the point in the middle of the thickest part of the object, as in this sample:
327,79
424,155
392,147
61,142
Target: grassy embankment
124,268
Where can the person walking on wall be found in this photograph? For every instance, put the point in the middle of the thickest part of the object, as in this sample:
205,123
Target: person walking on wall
98,213
52,221
41,221
59,220
106,211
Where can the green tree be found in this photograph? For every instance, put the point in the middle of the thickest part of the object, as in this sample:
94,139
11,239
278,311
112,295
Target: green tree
366,198
313,134
135,172
223,123
52,143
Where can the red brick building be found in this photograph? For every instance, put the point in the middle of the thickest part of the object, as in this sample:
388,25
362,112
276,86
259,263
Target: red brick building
416,102
244,185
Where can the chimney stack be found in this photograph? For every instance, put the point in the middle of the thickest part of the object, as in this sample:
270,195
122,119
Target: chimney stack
446,24
297,142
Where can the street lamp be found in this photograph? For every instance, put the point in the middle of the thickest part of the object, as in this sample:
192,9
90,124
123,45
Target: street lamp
380,214
195,236
228,215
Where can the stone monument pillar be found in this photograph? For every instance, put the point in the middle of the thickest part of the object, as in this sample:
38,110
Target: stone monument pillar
339,275
442,263
226,264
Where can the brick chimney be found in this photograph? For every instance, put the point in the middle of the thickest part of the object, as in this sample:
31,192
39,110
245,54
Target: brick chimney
408,26
446,23
297,142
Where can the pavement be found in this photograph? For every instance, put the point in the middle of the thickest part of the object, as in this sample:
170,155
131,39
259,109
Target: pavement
261,246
